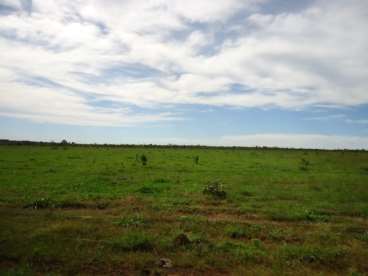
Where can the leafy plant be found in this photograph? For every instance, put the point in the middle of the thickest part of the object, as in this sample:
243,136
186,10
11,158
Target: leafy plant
196,160
304,164
133,221
137,241
215,189
41,203
144,160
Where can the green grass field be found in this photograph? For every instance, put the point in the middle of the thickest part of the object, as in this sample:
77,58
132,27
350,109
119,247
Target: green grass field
99,210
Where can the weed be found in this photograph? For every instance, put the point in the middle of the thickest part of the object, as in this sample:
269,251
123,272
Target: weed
149,190
144,160
246,193
41,203
137,241
362,236
308,254
196,160
304,164
299,215
133,221
215,189
181,240
242,251
235,232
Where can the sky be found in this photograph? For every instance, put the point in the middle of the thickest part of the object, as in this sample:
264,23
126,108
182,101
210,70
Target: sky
280,73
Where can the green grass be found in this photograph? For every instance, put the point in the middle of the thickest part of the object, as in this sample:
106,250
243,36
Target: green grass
99,210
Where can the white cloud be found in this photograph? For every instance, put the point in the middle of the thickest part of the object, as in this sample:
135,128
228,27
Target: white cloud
291,60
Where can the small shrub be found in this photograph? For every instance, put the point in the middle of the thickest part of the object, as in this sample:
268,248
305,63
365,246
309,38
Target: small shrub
215,190
299,215
144,160
235,232
246,231
160,181
304,164
242,251
149,190
196,160
133,242
308,254
246,193
181,240
133,221
363,237
42,203
257,243
313,216
70,205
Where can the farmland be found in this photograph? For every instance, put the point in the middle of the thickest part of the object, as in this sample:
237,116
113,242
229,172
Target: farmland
69,209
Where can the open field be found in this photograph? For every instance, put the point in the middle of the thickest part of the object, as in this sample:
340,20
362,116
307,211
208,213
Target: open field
99,210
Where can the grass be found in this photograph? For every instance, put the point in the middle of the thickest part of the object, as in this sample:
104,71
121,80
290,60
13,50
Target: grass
100,210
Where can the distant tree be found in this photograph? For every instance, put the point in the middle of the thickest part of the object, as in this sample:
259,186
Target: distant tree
144,160
64,142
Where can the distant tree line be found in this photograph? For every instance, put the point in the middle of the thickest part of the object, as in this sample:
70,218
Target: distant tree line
64,143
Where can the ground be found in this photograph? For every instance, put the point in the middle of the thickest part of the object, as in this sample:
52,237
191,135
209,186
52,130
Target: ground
100,210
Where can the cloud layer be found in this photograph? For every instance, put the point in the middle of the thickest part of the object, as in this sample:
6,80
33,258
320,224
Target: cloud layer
112,63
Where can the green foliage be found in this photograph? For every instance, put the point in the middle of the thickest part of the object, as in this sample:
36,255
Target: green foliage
310,254
236,232
41,203
117,216
137,241
196,160
215,189
242,251
144,160
299,215
137,220
304,164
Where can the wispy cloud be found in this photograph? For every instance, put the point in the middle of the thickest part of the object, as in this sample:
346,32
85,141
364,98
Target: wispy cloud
150,54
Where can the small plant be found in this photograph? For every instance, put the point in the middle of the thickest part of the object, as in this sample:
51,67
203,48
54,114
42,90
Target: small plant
363,237
242,251
133,242
300,215
133,221
41,203
149,190
215,189
304,164
317,217
196,160
181,240
236,232
144,160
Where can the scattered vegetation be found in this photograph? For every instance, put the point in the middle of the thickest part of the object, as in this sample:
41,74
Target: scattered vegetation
215,189
304,164
196,160
136,220
137,241
102,210
144,160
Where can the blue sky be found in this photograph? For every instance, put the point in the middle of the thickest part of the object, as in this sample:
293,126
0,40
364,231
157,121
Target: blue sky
214,72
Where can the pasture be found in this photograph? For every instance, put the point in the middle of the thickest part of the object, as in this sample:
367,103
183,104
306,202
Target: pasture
97,210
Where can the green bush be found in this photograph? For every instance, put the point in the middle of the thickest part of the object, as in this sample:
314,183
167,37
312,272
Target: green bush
215,189
144,160
133,242
133,221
